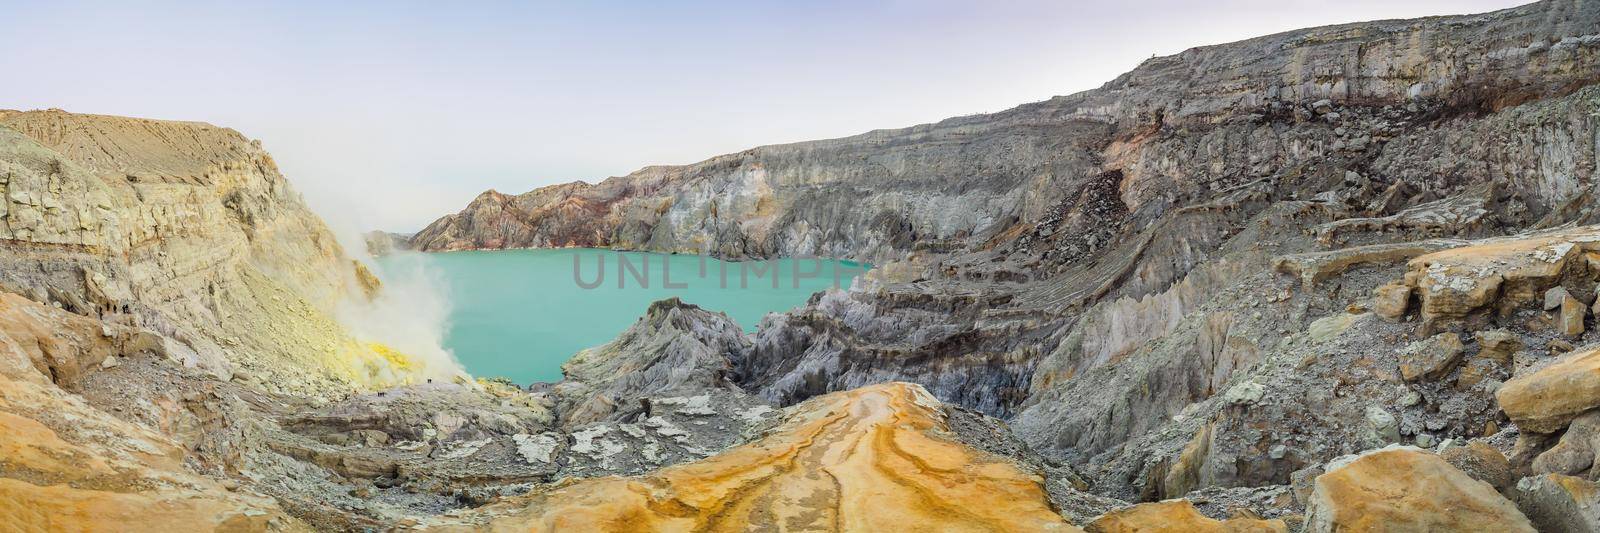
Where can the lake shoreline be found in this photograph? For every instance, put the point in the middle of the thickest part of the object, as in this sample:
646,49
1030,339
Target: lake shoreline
521,313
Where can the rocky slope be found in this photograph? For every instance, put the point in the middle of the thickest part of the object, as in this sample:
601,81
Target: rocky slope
187,230
1211,278
165,301
872,459
68,466
1336,279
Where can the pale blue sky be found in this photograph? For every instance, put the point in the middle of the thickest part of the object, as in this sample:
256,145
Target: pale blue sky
387,115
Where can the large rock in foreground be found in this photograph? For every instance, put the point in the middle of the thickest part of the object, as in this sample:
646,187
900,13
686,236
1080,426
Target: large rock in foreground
1545,401
1406,489
1177,516
872,459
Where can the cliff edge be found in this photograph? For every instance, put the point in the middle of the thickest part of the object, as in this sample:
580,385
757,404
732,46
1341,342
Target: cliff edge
190,231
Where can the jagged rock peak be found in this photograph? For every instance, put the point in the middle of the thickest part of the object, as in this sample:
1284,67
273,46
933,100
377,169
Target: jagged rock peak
674,348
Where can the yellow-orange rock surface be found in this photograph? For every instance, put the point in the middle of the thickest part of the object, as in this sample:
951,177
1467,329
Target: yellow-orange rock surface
66,466
1495,273
1546,400
869,459
1406,489
1177,516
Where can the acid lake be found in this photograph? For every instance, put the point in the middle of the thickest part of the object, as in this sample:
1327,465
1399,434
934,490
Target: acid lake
520,314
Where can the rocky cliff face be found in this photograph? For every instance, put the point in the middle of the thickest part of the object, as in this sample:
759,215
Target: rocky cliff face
1172,132
188,230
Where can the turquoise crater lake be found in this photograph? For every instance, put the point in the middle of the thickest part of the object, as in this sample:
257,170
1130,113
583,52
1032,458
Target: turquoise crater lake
520,314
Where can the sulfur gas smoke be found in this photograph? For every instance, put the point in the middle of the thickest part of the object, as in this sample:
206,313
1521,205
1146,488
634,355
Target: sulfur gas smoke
405,320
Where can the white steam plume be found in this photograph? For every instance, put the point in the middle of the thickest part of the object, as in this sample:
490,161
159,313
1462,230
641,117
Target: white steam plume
410,314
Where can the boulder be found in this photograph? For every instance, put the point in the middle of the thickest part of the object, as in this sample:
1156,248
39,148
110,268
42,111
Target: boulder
1573,312
1431,358
1406,489
1495,352
1492,274
65,346
1481,461
1497,345
1391,301
1559,504
1555,297
1382,427
1177,516
1475,372
1546,400
1302,481
1574,453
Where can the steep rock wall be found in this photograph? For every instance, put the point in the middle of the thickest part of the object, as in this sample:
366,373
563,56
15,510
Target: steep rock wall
963,181
188,230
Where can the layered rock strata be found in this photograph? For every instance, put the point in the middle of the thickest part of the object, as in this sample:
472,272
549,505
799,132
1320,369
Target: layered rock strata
1172,132
187,230
1213,275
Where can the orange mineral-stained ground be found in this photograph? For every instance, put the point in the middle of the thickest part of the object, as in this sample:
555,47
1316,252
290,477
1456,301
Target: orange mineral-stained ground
876,458
68,466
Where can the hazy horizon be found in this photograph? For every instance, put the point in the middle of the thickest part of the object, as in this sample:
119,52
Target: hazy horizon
386,116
